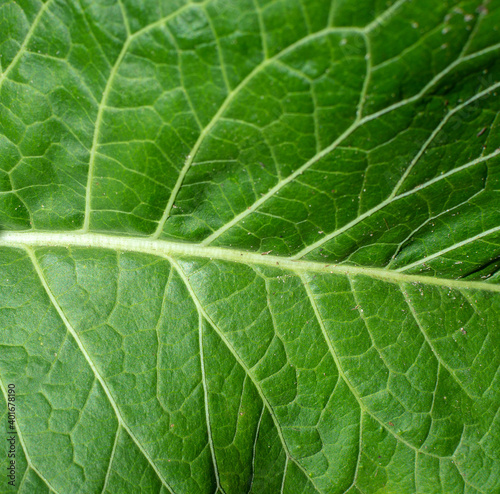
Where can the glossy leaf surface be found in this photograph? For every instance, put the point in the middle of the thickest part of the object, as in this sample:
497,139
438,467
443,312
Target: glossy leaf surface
251,246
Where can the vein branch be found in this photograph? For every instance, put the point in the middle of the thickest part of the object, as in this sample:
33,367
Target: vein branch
110,464
238,359
23,445
431,345
338,363
225,105
205,396
358,122
91,364
27,39
453,247
103,104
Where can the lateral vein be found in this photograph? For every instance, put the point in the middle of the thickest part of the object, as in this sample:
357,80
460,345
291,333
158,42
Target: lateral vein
25,449
27,39
342,374
91,364
238,359
222,109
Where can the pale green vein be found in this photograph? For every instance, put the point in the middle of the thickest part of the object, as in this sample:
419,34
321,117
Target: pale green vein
163,20
23,444
179,250
220,53
361,105
426,222
415,471
379,21
157,332
436,131
205,397
95,139
91,364
258,10
222,109
110,464
360,454
343,375
238,359
102,107
274,190
368,78
283,480
305,16
26,41
125,18
23,478
453,247
354,126
331,13
431,345
474,30
254,448
420,43
357,303
390,200
181,78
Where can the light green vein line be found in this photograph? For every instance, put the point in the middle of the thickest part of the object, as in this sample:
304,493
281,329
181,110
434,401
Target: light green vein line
331,13
258,10
415,471
225,105
23,479
26,41
254,448
360,454
449,249
125,18
102,107
163,20
363,319
205,396
23,444
472,33
431,345
279,186
341,371
91,364
271,192
390,200
220,53
157,333
177,249
283,480
97,128
113,452
238,359
379,21
355,125
368,77
436,131
425,223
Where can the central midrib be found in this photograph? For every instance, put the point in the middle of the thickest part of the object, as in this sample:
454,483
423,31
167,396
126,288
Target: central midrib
166,248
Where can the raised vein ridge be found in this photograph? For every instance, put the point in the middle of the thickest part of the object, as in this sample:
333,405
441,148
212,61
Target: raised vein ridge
166,248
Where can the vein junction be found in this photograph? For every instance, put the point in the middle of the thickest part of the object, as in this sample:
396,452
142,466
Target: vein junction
165,248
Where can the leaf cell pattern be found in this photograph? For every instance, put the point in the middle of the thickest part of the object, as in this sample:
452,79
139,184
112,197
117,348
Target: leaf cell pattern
251,247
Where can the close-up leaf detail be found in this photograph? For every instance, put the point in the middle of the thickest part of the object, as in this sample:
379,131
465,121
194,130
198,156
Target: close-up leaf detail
250,246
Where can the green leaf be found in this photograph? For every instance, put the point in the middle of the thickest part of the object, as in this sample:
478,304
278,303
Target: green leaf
250,246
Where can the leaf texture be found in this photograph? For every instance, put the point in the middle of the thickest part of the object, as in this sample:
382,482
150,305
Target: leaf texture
251,247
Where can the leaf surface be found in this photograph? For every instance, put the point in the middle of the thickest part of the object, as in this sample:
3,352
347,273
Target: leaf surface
251,247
